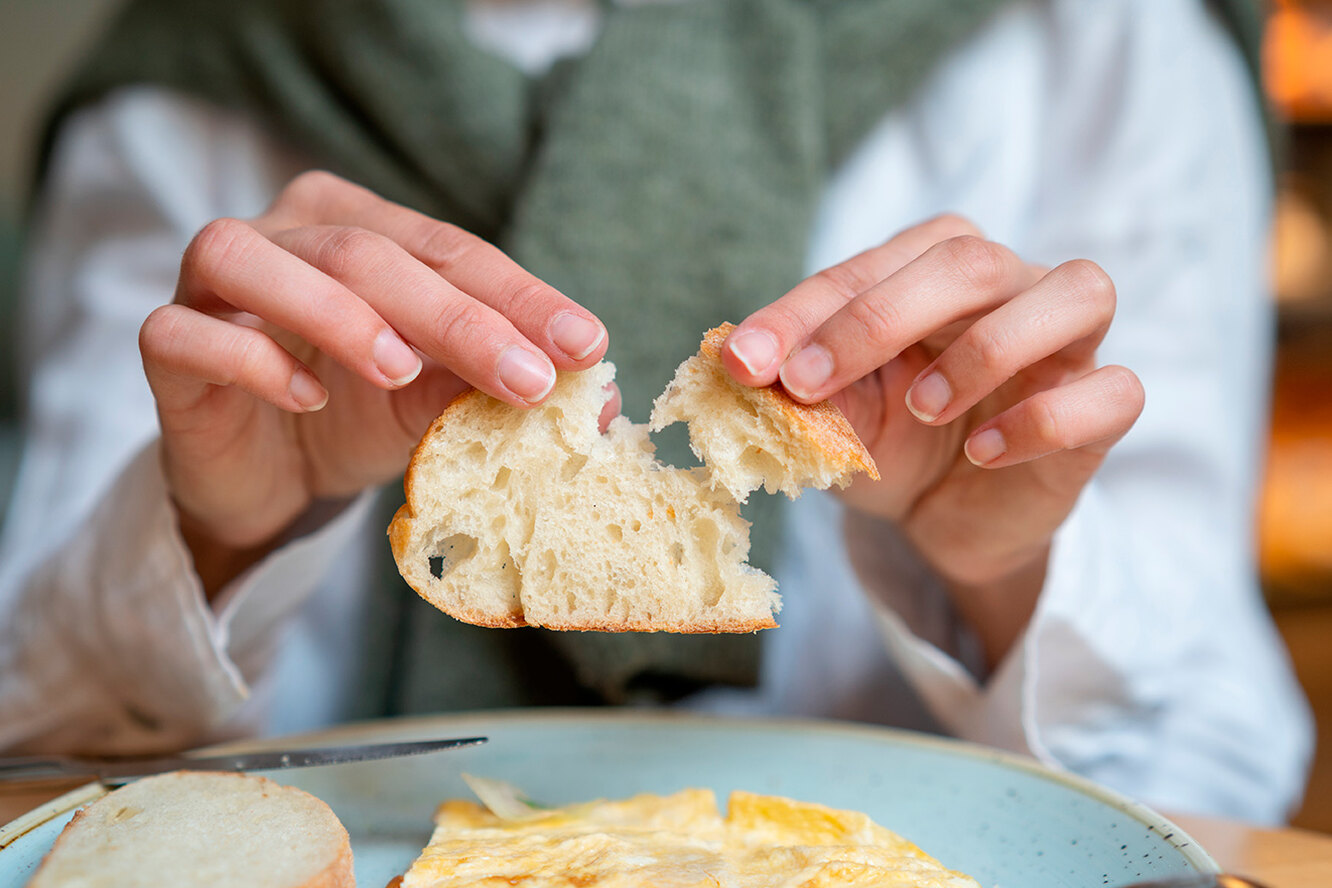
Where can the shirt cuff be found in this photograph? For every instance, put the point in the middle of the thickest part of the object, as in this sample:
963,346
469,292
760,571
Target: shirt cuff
1079,608
160,667
1138,669
252,610
142,664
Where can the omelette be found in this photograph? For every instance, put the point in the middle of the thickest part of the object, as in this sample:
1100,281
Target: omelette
671,841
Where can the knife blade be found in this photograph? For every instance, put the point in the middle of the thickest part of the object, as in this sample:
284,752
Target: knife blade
123,770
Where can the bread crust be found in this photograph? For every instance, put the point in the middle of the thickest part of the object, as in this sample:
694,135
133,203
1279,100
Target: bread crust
400,528
821,427
822,423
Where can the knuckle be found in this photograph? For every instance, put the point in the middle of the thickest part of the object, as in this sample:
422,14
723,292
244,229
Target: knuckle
308,188
982,264
948,225
220,244
459,327
1048,422
248,356
989,348
529,296
789,318
1124,387
159,329
1088,278
847,280
445,246
347,249
878,320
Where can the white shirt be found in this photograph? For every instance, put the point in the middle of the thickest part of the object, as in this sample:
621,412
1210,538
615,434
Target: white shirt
1124,132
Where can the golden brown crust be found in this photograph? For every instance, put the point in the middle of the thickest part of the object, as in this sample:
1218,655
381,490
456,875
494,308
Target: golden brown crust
479,617
339,874
727,628
490,621
822,424
400,528
63,837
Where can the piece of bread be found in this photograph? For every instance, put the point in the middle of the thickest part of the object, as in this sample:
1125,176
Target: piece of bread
533,517
758,437
224,830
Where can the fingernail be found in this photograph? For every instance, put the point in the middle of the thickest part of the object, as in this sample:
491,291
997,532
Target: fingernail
805,372
526,375
395,358
985,447
929,397
307,391
756,349
576,335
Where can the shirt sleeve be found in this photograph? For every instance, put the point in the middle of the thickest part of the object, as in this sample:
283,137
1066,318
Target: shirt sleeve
108,644
1151,663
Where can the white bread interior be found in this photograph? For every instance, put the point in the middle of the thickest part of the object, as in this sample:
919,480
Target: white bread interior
201,828
534,518
758,437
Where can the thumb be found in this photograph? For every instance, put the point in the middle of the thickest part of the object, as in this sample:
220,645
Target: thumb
871,401
425,398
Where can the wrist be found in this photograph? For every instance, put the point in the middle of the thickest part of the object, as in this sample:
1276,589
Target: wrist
218,562
999,608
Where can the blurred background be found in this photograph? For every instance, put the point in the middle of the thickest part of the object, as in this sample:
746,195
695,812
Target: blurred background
39,39
1295,519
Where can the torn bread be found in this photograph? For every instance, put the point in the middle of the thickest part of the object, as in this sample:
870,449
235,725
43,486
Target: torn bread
534,518
201,828
758,437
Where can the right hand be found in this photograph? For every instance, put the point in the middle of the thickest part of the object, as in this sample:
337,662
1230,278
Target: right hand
307,350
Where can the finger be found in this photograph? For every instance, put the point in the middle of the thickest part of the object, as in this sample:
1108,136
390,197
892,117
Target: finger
230,264
417,405
1068,311
185,352
473,340
949,282
569,334
753,351
1090,413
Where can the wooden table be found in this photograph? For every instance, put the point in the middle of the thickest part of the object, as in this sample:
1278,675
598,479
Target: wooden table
1279,858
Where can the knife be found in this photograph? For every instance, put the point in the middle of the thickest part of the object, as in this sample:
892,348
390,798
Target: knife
115,771
1198,881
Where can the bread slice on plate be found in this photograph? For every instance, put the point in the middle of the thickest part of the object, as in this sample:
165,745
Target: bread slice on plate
223,830
535,518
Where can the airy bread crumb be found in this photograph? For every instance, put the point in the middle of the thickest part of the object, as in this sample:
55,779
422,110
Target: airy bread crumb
758,437
535,518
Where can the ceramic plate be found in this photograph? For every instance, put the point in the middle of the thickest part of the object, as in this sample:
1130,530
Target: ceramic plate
1005,820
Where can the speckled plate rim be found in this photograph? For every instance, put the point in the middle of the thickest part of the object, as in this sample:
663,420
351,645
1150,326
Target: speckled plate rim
473,722
20,826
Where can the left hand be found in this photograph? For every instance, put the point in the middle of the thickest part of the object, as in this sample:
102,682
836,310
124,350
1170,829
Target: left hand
970,375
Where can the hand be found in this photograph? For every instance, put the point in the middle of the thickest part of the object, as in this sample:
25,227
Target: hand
971,377
307,350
